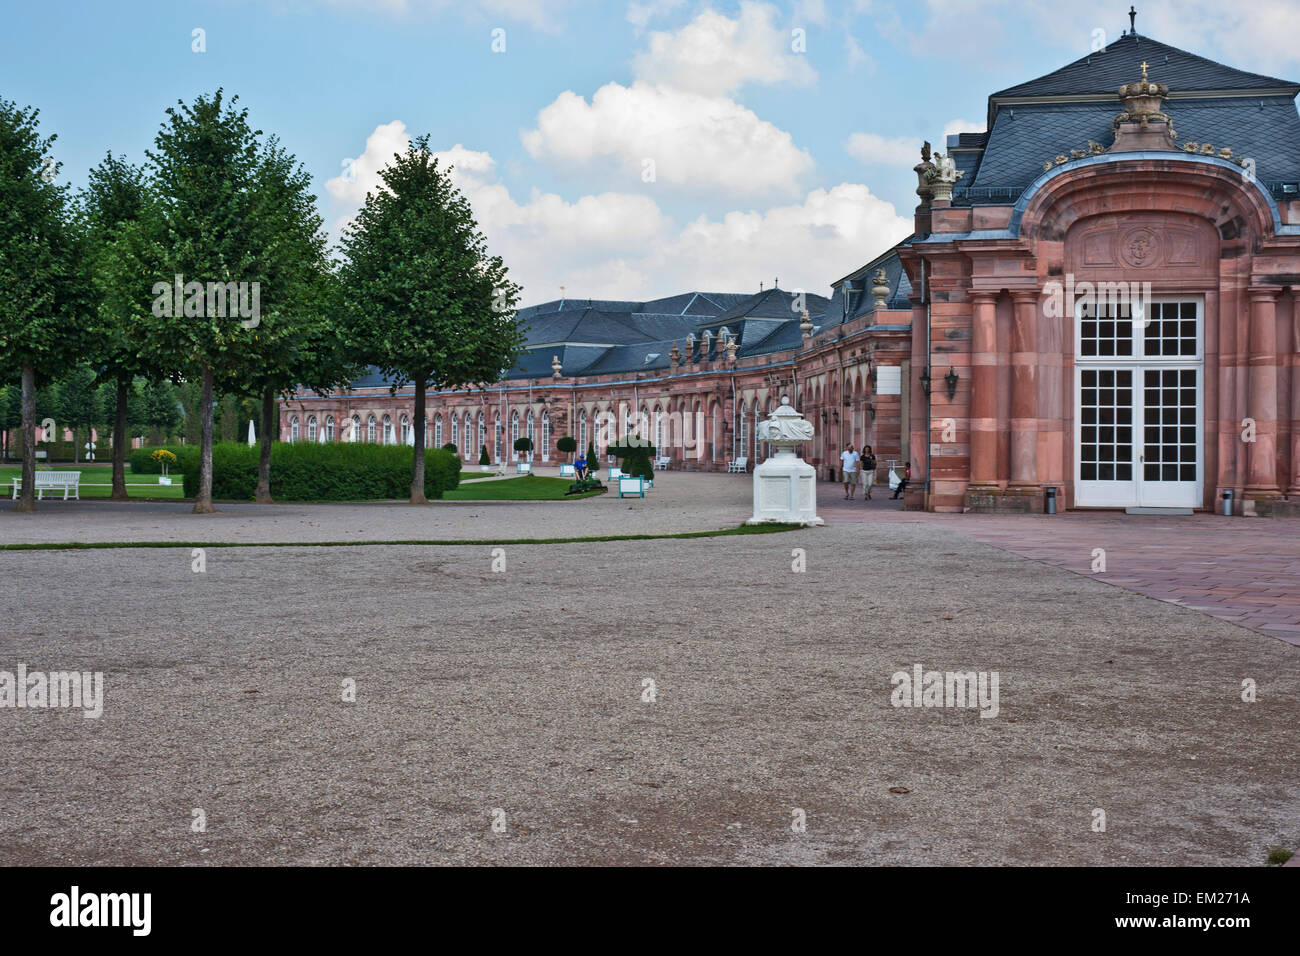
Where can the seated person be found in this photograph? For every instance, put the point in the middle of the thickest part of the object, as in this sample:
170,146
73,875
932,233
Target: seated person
580,467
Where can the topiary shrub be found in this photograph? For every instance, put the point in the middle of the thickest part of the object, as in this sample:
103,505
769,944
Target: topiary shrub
567,445
451,447
333,471
483,458
635,453
593,463
524,444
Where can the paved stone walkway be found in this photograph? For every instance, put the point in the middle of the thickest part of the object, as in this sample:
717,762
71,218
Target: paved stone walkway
1243,570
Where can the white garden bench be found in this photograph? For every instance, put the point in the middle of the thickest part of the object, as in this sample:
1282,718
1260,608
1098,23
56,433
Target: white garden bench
52,481
627,485
568,471
615,472
738,465
661,463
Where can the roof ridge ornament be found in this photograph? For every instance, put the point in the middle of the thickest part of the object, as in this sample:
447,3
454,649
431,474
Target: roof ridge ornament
1143,124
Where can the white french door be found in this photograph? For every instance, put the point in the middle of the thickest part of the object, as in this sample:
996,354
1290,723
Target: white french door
1138,404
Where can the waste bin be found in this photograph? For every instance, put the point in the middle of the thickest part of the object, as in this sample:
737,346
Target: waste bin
1049,500
1227,503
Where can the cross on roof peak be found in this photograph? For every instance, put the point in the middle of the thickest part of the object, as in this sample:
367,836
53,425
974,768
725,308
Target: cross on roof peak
1144,71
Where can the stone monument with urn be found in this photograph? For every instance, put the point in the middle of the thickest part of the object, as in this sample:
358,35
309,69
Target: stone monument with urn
785,486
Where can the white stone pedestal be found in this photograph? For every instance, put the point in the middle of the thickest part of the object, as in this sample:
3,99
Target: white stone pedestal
785,491
785,486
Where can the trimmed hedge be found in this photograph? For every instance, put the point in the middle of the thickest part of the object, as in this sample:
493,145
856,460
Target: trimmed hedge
334,471
142,464
58,450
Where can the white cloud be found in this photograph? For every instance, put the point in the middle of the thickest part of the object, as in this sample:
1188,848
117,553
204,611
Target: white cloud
695,141
361,175
810,11
964,126
857,56
874,149
808,244
621,245
640,14
715,54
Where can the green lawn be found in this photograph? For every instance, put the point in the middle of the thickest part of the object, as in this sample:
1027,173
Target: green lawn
526,488
97,482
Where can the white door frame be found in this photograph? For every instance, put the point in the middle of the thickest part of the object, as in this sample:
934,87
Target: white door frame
1140,492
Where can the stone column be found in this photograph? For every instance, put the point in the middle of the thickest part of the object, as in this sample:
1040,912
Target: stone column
1261,454
1294,489
1024,390
984,390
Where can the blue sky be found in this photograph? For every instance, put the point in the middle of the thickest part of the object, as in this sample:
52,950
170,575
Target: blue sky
768,160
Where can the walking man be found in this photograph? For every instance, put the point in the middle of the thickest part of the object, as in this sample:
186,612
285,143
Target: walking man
849,466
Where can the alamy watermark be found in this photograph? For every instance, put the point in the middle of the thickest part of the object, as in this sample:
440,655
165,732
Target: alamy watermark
922,688
60,689
212,300
1097,298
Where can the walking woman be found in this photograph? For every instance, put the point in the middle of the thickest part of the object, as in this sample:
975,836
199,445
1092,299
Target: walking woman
868,471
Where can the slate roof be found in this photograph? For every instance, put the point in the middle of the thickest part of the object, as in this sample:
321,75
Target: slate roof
1106,72
851,296
1266,129
1030,123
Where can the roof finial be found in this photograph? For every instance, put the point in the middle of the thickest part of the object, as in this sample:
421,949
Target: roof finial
1132,20
1144,71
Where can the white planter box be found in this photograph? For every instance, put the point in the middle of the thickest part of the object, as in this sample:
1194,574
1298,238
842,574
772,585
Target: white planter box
631,486
164,480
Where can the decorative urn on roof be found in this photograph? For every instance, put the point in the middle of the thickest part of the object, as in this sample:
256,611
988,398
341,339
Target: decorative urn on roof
880,288
1143,124
785,486
941,177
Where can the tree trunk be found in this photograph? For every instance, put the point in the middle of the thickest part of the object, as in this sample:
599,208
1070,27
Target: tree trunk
120,441
203,498
417,472
75,446
269,427
27,499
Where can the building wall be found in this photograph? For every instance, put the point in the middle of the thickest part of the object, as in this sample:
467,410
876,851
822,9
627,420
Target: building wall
703,406
1196,229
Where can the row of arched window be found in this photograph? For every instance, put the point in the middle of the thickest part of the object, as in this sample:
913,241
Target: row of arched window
469,431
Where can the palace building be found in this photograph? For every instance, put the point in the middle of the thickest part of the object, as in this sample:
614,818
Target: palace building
1099,301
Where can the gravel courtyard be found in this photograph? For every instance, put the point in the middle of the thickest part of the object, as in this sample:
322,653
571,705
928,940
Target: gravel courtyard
521,690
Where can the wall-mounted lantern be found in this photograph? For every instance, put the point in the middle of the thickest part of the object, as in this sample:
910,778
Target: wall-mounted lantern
950,380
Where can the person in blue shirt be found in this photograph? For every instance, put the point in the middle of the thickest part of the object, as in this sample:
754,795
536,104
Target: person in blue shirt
580,467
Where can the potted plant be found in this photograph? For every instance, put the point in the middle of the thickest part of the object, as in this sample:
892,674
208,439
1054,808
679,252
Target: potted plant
567,445
165,459
484,462
524,445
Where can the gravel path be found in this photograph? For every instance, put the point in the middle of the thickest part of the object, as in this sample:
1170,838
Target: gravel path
521,690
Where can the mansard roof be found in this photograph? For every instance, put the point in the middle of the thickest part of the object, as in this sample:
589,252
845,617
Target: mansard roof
1032,123
1104,72
1266,129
